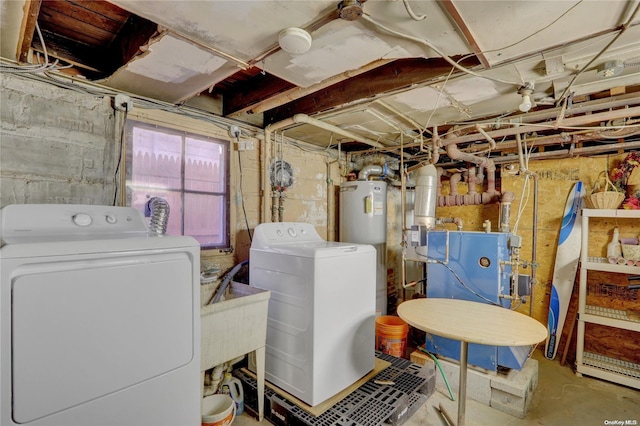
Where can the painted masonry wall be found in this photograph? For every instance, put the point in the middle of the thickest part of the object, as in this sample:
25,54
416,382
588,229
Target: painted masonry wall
58,145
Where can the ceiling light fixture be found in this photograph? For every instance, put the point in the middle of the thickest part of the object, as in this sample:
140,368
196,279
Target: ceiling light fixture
294,40
527,102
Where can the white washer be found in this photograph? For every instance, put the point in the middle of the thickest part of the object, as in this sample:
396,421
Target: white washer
100,322
321,320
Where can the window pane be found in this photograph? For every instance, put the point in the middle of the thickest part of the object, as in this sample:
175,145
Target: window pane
204,166
156,159
204,218
174,226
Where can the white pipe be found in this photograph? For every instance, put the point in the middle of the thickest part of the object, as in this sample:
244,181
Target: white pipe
305,119
492,142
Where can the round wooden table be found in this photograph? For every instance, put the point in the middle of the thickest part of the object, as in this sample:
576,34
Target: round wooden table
471,322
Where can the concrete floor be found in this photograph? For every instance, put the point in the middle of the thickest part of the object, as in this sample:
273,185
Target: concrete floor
561,398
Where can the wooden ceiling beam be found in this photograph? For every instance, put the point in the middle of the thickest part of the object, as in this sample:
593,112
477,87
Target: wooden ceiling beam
32,10
399,74
453,12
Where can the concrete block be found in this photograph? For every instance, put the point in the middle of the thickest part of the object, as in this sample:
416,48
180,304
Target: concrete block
518,383
510,393
478,383
513,392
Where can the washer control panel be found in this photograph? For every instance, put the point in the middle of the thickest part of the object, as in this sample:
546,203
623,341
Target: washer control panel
266,234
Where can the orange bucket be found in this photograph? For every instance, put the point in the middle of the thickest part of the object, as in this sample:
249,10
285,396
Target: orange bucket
391,335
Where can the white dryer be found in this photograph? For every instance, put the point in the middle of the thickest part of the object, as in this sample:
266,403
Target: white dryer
99,320
321,320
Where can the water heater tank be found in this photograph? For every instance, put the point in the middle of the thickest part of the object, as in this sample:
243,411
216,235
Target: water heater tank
363,212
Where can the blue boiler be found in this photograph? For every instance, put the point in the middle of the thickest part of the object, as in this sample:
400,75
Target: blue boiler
472,269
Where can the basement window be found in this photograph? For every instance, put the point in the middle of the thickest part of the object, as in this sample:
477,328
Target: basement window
190,171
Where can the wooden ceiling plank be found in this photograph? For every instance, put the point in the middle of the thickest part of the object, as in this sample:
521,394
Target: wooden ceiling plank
67,27
453,12
32,9
105,8
396,75
76,16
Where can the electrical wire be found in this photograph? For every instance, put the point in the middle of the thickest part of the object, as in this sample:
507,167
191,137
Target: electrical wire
244,210
412,13
119,163
459,279
536,32
438,51
602,51
33,68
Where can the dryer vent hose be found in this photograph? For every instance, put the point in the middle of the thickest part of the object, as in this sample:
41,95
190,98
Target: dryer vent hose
158,209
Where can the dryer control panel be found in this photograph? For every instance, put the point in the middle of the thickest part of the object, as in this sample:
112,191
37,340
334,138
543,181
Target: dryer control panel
23,222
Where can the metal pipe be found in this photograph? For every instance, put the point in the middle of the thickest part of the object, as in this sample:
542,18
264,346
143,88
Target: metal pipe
567,122
401,114
330,205
520,153
492,142
534,243
575,151
305,119
242,64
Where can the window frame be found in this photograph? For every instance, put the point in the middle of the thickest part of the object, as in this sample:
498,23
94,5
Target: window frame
131,123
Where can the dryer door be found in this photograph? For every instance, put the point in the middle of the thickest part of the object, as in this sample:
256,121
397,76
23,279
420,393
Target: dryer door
85,329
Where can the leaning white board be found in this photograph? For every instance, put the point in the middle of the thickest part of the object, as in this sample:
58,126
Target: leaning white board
566,266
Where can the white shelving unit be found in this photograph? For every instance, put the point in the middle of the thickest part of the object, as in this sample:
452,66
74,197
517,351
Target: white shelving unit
590,364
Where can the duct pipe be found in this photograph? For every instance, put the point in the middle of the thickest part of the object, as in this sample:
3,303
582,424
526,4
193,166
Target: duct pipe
426,196
373,169
157,208
370,170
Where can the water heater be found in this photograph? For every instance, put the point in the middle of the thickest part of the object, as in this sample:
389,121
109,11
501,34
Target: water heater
363,212
363,220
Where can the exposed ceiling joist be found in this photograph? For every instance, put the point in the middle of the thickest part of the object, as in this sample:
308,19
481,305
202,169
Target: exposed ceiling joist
29,22
401,73
452,10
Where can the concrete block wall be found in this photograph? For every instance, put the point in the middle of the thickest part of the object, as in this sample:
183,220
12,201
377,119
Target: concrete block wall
56,145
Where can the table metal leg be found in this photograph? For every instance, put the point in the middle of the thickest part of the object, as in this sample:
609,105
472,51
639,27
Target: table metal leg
462,385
